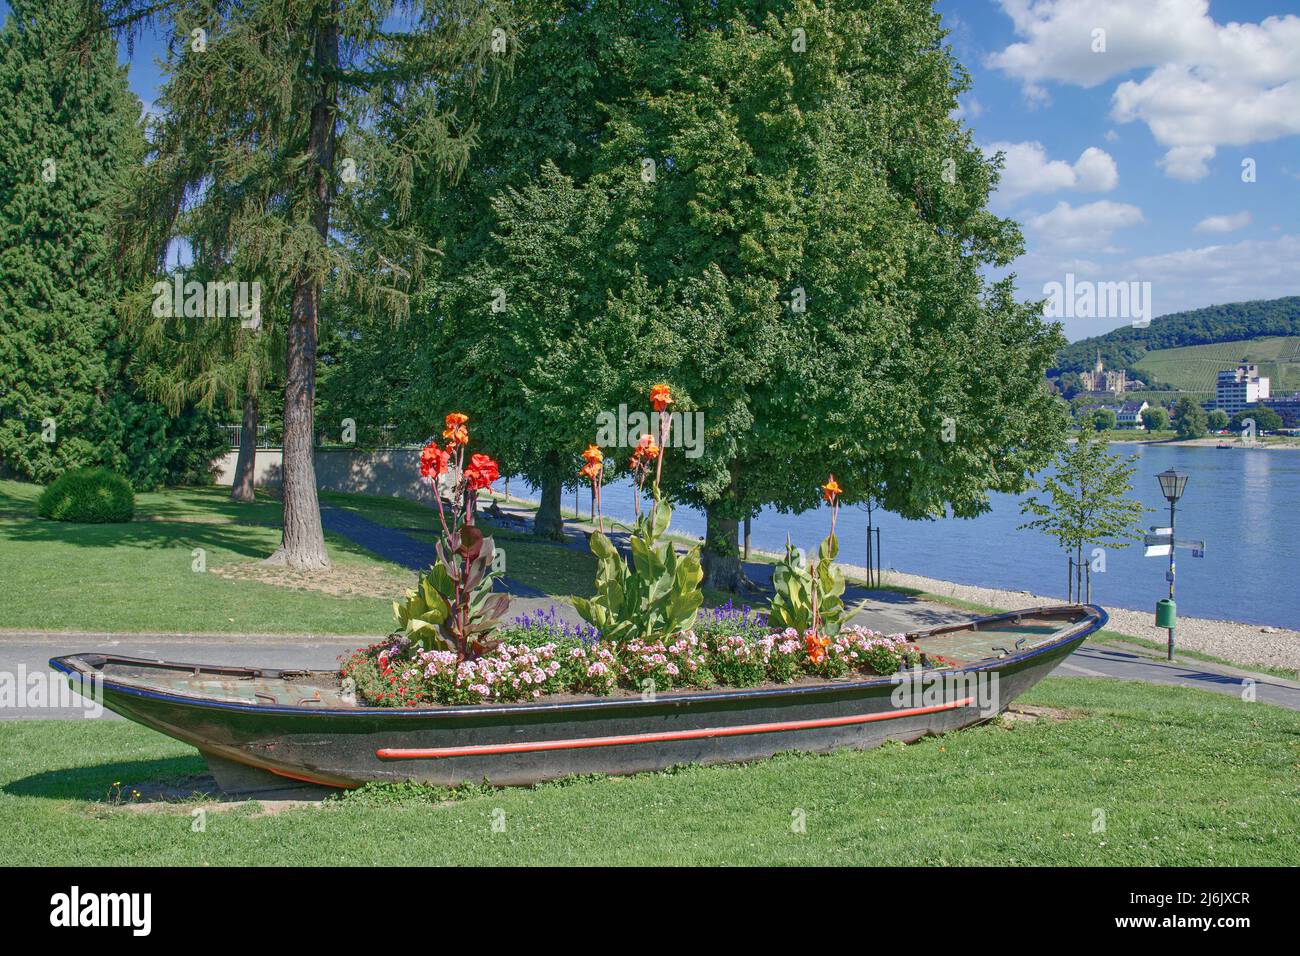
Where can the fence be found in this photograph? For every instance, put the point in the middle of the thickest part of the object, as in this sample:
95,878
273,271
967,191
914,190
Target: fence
373,437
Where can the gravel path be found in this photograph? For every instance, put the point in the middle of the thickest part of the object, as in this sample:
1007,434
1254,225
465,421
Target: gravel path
1239,643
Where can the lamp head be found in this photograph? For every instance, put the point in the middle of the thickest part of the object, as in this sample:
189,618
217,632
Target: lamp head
1172,484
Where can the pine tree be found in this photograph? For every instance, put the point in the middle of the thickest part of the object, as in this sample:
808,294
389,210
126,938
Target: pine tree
68,129
265,109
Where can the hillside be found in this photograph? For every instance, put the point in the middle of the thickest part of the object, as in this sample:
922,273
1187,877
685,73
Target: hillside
1193,368
1126,347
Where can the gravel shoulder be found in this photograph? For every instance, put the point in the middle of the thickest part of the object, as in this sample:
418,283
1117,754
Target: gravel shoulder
1229,640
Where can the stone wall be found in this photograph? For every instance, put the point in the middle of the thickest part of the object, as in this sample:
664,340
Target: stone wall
392,473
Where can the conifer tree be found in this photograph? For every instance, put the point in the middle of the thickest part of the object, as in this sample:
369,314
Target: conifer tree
263,118
68,129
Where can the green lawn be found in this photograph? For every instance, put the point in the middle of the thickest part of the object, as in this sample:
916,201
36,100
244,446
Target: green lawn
140,577
1182,776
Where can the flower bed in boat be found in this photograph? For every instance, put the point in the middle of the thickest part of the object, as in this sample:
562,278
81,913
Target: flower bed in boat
539,656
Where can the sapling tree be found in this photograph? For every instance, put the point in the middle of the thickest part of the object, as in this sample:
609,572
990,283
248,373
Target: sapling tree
264,115
1085,501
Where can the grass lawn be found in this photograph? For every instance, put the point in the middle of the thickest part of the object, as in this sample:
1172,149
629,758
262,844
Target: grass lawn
140,577
1182,776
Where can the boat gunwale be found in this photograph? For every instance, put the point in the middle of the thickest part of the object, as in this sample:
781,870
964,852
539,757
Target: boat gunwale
72,665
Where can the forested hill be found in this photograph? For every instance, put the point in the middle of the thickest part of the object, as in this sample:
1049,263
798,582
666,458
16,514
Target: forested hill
1124,347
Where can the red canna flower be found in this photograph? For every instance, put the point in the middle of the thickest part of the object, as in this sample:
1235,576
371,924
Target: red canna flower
481,472
433,461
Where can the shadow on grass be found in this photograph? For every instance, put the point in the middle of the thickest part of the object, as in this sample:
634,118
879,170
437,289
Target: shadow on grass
247,540
99,783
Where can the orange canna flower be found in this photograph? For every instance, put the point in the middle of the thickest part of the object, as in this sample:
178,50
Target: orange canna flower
660,397
817,647
456,433
647,448
831,490
592,470
593,454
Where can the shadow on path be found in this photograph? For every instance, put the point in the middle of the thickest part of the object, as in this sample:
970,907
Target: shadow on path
398,547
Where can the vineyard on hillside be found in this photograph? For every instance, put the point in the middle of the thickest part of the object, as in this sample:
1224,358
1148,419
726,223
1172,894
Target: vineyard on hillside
1193,368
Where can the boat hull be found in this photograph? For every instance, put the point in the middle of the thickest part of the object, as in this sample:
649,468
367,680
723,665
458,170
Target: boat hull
529,743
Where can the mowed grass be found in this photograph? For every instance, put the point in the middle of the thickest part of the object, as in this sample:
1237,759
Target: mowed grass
141,576
1194,368
1178,776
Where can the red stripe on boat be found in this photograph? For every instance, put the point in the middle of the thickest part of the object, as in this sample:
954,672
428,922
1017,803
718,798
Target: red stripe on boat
398,753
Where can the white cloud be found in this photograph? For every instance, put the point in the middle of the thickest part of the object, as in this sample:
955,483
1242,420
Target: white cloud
1207,84
1028,170
1095,171
1228,223
1182,279
1089,226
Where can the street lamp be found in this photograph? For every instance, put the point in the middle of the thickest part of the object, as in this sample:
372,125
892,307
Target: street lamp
1172,485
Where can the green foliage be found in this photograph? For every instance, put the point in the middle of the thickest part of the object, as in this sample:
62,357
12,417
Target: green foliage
1103,419
454,605
1266,420
1155,418
656,598
793,581
1087,497
89,495
67,132
1233,322
1189,419
155,449
1217,420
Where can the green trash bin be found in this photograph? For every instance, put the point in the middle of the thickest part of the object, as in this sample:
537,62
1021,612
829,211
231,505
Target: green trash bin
1166,613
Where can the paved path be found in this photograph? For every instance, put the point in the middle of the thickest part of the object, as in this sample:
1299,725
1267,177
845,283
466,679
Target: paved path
398,547
25,653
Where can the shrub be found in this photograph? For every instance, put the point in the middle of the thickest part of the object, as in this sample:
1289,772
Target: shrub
93,495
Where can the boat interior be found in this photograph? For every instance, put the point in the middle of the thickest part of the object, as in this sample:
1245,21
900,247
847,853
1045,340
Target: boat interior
969,642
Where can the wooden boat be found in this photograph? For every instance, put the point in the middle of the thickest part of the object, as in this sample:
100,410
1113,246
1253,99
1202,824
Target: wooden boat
260,728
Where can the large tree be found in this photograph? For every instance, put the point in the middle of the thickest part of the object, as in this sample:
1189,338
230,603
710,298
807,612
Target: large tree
69,128
517,327
814,235
258,100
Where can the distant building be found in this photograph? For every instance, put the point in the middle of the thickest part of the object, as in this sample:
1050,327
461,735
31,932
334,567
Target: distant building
1130,415
1288,407
1239,388
1100,379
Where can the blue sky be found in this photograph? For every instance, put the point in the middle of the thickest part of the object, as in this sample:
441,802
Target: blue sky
1124,149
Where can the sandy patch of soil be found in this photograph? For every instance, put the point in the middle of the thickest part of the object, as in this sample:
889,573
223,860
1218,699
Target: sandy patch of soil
340,580
200,792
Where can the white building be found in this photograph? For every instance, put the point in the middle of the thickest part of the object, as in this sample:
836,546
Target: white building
1130,415
1239,388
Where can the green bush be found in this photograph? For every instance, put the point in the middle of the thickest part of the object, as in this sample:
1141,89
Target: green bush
93,495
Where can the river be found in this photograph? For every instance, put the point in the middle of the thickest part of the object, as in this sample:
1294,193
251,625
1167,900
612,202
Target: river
1242,502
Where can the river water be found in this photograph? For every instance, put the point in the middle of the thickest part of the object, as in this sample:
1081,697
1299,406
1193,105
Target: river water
1244,503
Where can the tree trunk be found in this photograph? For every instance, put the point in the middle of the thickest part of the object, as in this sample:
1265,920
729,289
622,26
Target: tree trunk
241,488
549,523
721,570
303,542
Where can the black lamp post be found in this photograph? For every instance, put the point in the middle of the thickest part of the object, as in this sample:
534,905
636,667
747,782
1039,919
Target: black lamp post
1172,484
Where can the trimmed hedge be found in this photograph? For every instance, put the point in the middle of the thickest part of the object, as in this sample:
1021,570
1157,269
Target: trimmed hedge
92,495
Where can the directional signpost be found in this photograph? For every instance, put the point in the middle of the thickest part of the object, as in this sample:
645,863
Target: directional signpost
1161,542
